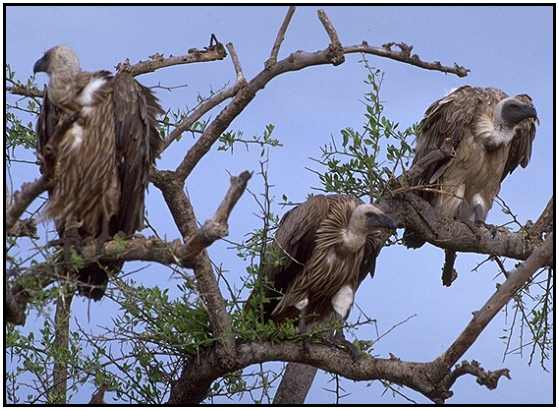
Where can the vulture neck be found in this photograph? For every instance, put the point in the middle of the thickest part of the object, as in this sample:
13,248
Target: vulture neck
354,236
494,133
61,85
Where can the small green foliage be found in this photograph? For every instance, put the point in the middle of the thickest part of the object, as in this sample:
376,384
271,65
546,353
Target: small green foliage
366,160
228,140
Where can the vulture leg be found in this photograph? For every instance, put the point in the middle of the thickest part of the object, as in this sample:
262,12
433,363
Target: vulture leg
339,339
301,307
103,237
341,302
70,241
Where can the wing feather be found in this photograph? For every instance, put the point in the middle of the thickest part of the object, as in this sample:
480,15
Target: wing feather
46,128
137,141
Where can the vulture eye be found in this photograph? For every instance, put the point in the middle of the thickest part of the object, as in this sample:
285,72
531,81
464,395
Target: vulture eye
369,214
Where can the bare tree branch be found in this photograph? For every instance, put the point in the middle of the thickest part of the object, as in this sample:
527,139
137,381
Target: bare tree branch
485,378
198,112
405,56
22,199
335,48
279,38
213,52
236,62
217,227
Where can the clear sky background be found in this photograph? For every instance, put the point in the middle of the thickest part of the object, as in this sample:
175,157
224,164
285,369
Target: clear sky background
505,47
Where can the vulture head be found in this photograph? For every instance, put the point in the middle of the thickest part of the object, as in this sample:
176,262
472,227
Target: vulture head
512,110
59,59
367,217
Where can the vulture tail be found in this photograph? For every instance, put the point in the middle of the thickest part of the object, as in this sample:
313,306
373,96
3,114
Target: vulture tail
412,240
94,277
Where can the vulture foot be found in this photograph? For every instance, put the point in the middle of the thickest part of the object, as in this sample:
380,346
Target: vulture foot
339,340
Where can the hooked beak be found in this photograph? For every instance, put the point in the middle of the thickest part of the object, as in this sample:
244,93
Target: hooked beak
382,221
530,112
41,65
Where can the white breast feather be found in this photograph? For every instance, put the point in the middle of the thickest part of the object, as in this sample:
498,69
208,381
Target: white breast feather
86,96
77,133
342,300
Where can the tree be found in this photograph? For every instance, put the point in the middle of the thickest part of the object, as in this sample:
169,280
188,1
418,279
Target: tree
194,346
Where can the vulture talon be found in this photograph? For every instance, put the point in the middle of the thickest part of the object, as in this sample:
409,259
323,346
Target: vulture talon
71,242
339,340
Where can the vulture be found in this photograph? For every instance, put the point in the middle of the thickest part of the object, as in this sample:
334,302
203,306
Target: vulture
97,139
322,250
491,134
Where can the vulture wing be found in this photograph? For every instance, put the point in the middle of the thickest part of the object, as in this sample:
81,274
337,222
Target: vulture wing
46,130
521,145
291,249
137,142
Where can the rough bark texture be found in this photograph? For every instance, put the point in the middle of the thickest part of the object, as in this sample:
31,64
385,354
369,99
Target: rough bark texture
295,384
62,330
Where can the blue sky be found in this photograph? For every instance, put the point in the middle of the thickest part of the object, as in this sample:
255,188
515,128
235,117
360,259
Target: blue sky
505,47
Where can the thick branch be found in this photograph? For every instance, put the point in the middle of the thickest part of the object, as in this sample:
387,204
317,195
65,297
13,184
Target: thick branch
198,375
181,208
22,199
62,330
415,213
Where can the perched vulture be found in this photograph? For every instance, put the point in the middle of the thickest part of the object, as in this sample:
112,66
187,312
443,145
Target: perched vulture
323,249
98,138
491,134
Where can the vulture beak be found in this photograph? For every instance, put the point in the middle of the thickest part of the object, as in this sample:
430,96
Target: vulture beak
41,65
529,111
381,221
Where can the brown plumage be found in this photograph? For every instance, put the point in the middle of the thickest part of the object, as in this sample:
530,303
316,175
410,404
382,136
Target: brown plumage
322,250
97,141
491,134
